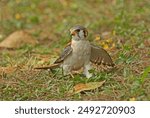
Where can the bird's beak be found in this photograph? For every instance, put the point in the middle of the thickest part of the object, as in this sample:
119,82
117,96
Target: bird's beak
73,33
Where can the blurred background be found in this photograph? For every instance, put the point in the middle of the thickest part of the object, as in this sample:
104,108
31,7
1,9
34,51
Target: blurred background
52,18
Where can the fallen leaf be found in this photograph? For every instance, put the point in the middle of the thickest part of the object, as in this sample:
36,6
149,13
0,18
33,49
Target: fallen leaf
18,16
106,47
97,38
85,87
18,39
109,40
132,99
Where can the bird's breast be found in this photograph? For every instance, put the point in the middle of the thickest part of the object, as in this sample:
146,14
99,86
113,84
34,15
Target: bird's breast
80,55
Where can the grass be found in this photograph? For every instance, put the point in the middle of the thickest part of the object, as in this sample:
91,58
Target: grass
125,22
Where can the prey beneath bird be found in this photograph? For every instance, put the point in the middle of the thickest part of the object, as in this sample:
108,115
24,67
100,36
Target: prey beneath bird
80,53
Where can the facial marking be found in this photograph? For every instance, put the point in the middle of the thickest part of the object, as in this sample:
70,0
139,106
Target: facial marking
78,34
78,30
85,33
81,34
73,33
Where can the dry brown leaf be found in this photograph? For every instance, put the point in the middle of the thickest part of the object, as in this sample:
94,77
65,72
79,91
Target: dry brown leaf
84,87
132,99
18,39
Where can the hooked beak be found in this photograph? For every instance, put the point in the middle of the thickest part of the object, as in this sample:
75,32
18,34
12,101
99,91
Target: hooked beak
73,33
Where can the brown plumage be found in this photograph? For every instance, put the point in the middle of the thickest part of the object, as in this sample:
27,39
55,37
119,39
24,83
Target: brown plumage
64,54
100,56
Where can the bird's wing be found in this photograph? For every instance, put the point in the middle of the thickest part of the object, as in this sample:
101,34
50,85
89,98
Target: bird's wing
66,52
100,56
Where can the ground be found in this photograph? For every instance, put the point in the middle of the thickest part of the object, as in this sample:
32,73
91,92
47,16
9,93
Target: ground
122,27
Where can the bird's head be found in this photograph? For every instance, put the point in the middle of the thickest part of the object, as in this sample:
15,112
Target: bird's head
78,33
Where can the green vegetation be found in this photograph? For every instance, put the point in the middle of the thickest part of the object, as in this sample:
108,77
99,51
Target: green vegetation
126,23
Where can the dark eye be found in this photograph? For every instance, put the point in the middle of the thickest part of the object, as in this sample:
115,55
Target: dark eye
78,30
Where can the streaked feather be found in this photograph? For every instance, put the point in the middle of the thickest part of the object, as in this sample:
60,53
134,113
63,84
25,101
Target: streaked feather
100,56
67,51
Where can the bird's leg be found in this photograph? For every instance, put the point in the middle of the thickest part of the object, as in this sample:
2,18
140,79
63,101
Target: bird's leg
86,72
66,70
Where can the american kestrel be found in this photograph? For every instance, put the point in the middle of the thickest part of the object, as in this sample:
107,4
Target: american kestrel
80,53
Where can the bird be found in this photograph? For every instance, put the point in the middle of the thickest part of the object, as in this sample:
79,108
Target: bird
80,53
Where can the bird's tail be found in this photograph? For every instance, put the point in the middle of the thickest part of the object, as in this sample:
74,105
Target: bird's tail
53,66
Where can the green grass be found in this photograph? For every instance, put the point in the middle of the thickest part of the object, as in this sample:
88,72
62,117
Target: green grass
49,21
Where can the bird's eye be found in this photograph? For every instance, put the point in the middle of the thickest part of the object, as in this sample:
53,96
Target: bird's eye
78,30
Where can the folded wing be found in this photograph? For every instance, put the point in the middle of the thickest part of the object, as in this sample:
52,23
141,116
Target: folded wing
66,52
